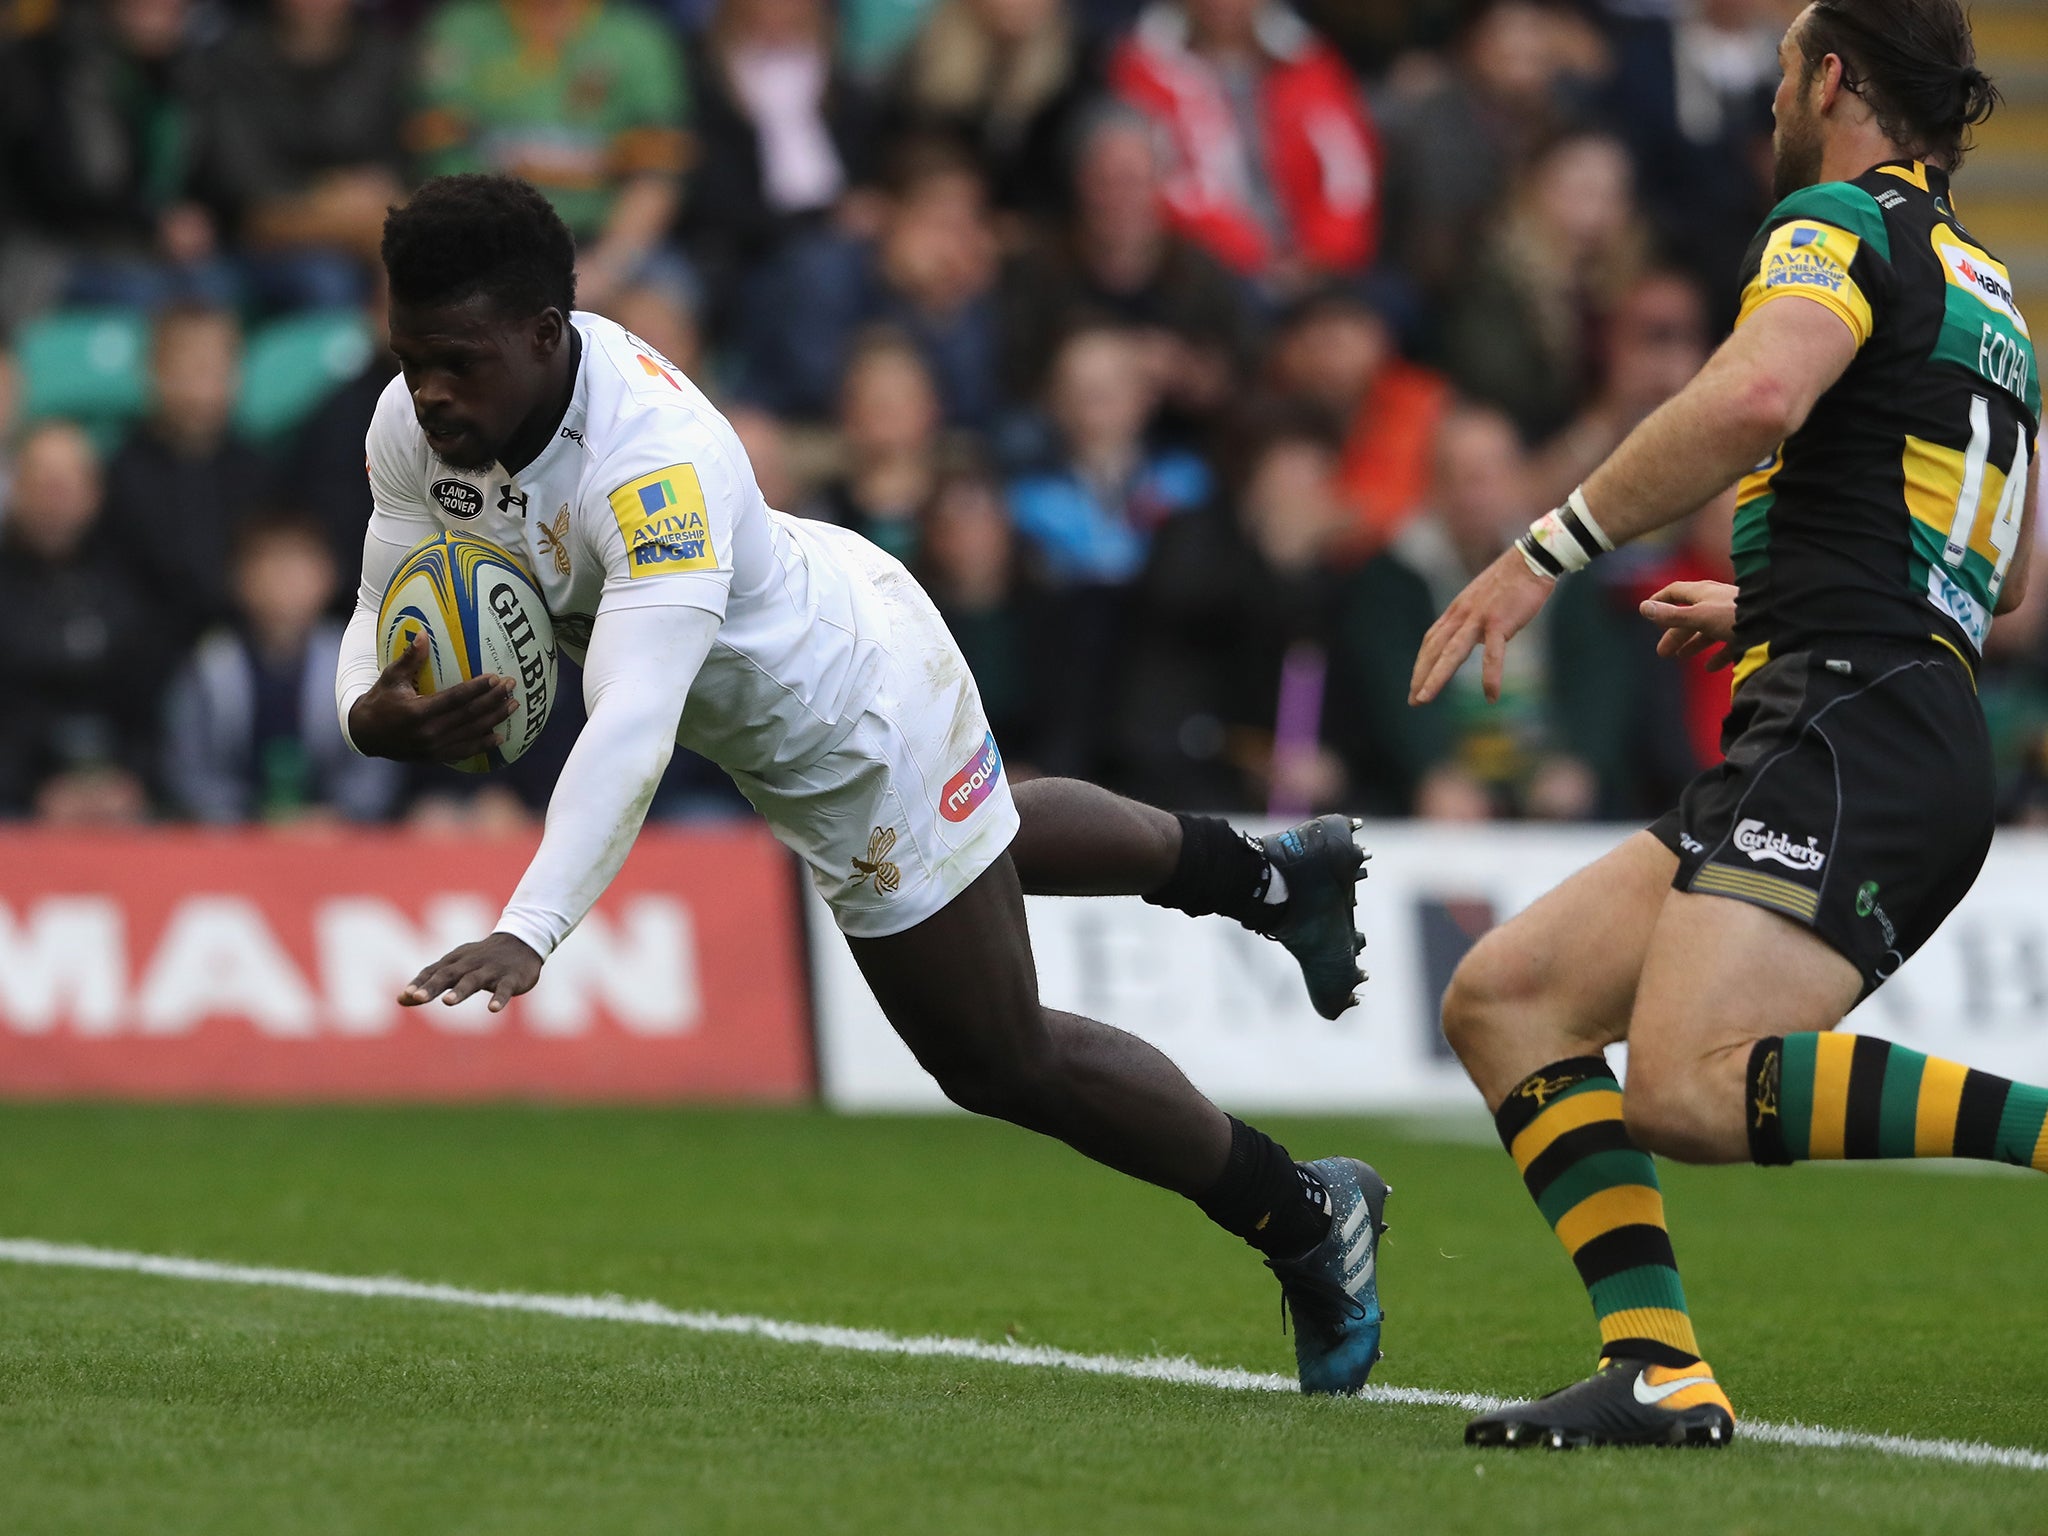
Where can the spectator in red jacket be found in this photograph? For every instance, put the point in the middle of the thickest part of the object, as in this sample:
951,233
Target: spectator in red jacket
1277,166
1335,352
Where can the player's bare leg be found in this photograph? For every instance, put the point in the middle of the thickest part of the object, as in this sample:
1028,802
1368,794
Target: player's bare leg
1529,1013
1078,839
1719,975
961,989
1708,1084
1558,981
1297,887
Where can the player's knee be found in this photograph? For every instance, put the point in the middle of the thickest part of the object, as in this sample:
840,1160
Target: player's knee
1006,1082
1662,1114
1491,984
975,1088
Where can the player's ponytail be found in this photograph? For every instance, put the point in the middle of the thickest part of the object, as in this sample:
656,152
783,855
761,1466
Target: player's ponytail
1980,99
1913,62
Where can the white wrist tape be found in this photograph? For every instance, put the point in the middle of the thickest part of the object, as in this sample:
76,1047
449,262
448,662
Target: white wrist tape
1565,540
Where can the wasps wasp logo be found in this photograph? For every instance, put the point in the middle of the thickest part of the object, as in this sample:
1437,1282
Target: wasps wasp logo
554,538
876,865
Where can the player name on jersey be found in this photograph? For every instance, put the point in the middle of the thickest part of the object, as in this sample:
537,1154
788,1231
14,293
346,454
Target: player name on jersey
2005,361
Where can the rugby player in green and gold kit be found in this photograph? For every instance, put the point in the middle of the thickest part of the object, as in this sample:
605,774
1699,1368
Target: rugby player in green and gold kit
1878,405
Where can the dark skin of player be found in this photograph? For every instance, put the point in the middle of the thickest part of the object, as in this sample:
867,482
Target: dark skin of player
489,388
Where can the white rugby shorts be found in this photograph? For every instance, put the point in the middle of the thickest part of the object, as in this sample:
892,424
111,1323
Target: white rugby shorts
913,805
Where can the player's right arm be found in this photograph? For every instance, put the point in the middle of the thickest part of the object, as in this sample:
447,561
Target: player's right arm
383,713
1752,395
661,519
1810,306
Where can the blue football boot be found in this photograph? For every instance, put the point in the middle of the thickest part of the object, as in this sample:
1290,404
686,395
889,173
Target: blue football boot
1322,866
1332,1291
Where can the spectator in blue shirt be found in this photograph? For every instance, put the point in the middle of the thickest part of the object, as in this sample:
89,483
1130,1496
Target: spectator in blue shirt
1087,517
1090,513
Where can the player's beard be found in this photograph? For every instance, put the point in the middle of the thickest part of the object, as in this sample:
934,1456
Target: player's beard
1796,152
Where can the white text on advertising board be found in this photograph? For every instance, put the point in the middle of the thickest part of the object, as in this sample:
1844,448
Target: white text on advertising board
71,963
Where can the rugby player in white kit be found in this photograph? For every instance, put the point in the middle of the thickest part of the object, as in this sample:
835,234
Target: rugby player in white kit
814,670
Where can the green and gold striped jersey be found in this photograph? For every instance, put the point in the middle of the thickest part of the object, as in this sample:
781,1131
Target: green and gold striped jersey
1896,509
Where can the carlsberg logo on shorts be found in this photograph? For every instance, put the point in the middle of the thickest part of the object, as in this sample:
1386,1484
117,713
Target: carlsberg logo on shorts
1759,842
973,784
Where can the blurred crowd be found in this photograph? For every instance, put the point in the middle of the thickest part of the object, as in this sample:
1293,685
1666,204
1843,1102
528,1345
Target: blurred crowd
1192,352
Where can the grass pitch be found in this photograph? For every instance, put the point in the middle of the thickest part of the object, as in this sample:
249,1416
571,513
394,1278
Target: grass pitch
1898,1302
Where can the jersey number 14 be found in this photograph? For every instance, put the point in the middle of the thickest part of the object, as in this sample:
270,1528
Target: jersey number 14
2004,533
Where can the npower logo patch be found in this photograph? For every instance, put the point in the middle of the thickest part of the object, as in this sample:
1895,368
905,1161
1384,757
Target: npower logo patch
973,784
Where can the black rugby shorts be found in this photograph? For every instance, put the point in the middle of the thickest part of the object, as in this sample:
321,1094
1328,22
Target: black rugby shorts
1857,797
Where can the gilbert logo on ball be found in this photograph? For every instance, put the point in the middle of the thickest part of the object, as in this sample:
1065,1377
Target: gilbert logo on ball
481,613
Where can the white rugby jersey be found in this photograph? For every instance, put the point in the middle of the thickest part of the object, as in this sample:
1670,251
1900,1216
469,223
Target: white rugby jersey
645,498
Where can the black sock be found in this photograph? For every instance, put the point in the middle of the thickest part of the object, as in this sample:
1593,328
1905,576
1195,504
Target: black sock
1265,1198
1220,870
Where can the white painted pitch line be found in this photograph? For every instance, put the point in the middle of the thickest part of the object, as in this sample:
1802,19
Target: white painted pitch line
872,1341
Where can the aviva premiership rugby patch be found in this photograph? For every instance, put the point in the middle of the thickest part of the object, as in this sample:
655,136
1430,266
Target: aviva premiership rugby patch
661,517
1812,260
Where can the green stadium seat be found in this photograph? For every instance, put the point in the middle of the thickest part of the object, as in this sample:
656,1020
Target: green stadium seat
91,365
291,365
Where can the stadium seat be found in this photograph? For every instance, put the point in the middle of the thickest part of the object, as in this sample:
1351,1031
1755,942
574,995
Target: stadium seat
90,365
291,364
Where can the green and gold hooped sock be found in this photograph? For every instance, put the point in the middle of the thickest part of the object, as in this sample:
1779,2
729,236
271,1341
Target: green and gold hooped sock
1824,1097
1598,1190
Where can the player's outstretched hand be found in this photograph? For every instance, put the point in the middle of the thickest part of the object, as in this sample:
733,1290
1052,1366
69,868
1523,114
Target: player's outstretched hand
394,719
1501,600
500,965
1695,615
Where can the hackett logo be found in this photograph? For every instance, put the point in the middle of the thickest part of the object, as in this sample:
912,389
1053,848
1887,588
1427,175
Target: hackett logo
973,784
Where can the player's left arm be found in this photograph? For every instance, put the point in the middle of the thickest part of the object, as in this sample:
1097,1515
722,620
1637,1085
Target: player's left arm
664,536
1756,391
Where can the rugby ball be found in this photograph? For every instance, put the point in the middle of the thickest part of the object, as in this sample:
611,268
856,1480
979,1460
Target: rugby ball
481,614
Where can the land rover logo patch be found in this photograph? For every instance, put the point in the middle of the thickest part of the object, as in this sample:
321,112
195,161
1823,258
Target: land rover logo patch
458,498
